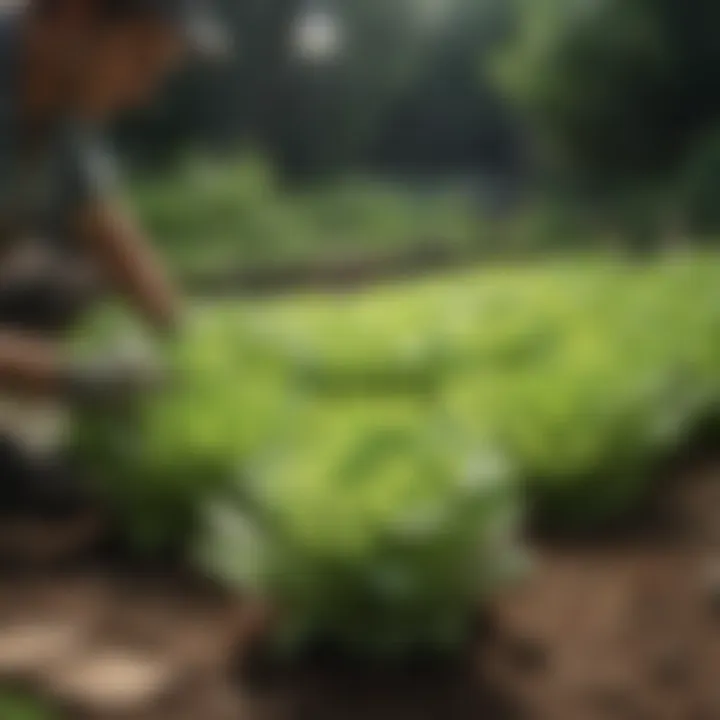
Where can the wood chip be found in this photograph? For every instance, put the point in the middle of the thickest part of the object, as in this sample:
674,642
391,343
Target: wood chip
113,681
27,648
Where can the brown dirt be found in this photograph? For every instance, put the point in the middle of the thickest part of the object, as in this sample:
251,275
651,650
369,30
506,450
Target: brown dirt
623,628
341,273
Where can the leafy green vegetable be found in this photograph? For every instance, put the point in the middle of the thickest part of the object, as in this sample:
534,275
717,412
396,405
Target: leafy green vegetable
370,526
358,459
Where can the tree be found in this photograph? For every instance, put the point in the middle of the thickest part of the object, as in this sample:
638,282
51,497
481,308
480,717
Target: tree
615,90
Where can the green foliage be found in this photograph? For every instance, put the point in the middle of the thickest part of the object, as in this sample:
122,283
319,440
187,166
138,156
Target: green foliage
615,90
609,372
345,495
159,462
356,458
17,706
699,184
370,526
322,115
219,216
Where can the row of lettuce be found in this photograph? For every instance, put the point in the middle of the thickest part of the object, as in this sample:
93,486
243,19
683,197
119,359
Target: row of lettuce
214,217
366,461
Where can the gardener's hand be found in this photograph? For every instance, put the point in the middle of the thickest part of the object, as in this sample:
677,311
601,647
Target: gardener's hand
114,383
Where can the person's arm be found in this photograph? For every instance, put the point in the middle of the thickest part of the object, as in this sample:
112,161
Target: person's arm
112,236
30,366
106,227
34,367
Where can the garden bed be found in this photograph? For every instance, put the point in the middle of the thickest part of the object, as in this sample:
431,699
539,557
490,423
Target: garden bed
626,626
588,377
338,273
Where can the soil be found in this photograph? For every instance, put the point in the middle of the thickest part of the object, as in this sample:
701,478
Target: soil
340,273
625,627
